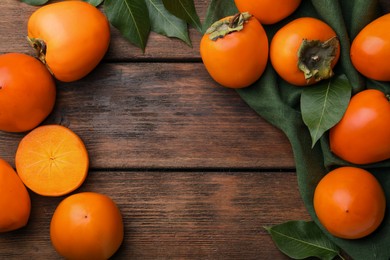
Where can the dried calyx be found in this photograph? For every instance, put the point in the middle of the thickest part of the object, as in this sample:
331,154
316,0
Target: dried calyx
225,26
315,58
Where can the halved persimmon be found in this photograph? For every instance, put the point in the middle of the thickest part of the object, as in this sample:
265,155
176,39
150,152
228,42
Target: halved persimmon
52,160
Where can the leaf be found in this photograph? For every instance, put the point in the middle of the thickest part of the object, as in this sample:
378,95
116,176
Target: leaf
35,2
131,18
185,10
94,2
301,239
164,23
324,104
218,9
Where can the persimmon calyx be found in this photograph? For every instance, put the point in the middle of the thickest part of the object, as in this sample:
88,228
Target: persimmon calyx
315,58
40,47
225,26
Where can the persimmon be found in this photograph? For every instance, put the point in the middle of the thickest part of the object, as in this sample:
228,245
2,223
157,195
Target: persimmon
27,92
71,38
87,225
370,50
15,204
268,11
362,135
304,51
234,50
349,202
52,160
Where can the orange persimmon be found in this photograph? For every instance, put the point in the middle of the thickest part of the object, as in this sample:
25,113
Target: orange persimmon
15,204
268,11
349,202
87,225
234,50
27,92
71,38
304,51
52,160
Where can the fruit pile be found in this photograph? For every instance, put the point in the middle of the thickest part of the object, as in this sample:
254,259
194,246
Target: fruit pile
349,201
70,38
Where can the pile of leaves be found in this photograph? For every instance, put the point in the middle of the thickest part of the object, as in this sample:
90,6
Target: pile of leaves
304,114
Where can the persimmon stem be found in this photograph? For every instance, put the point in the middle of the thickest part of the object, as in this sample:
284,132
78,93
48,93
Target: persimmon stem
234,21
315,58
41,48
225,26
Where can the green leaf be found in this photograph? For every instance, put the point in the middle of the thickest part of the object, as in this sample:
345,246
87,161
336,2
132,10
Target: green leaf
185,10
164,23
324,104
94,2
301,239
218,9
131,18
35,2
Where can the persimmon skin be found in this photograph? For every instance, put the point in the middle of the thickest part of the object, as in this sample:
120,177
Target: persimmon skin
76,34
15,203
286,42
268,11
238,59
27,92
370,50
349,202
362,136
87,225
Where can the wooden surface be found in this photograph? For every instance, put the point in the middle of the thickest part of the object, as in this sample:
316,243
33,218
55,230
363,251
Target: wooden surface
196,173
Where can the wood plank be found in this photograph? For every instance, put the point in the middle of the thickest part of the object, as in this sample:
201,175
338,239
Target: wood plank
163,115
13,28
181,215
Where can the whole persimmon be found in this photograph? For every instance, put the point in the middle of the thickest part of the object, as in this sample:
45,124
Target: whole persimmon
349,202
71,38
27,92
362,135
304,51
87,225
234,50
370,50
268,11
15,204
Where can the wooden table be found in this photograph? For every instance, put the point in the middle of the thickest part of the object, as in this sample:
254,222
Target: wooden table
196,173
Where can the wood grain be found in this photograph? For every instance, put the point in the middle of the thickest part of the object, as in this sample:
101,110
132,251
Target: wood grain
178,215
163,115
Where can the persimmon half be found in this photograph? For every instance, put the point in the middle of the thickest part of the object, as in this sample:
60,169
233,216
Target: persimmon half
71,38
27,92
234,50
304,51
87,225
52,160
